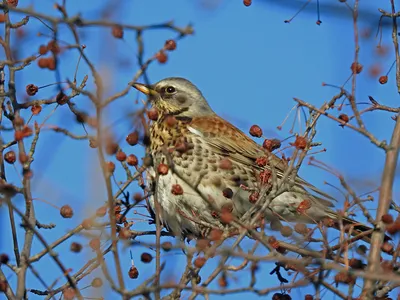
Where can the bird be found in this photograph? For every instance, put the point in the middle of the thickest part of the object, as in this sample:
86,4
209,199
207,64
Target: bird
205,171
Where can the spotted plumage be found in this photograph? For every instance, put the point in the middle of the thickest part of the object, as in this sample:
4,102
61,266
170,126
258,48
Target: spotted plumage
208,155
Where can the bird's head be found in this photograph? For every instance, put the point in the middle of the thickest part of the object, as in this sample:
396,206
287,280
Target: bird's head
176,96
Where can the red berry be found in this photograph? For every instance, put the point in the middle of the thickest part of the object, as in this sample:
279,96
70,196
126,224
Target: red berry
176,189
146,257
75,247
120,156
162,169
31,89
66,211
383,79
152,114
132,138
199,262
247,2
162,57
132,160
170,45
256,131
117,31
10,157
133,272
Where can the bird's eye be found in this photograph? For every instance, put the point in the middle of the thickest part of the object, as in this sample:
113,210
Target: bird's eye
170,90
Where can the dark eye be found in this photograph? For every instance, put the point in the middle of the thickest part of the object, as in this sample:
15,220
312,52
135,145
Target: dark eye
170,90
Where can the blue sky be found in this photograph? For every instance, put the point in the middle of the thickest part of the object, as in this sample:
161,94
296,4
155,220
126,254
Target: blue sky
248,63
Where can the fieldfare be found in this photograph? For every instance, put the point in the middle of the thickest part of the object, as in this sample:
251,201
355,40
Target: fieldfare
215,167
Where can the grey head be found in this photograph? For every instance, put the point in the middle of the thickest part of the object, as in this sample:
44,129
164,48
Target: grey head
178,96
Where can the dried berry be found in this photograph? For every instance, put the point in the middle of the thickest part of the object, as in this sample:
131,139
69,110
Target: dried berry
53,47
75,247
61,98
199,262
286,231
146,257
272,145
356,263
31,89
393,228
301,228
228,193
300,143
356,68
137,197
256,131
12,3
303,206
176,189
152,114
247,2
162,169
344,118
51,63
4,258
132,138
133,272
265,176
387,219
383,79
10,157
3,286
66,211
170,45
132,160
344,277
117,31
43,63
222,281
262,161
215,235
43,49
120,219
162,57
97,282
387,247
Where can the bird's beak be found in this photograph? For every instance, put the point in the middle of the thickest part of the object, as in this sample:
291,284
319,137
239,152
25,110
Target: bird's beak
145,89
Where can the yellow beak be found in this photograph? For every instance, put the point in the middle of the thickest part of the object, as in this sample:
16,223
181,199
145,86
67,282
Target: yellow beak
145,89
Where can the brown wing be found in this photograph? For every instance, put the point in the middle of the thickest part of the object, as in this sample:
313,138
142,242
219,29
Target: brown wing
226,139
